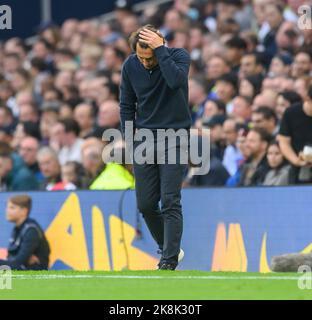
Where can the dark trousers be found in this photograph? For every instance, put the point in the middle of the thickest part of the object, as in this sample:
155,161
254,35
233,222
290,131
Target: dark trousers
162,182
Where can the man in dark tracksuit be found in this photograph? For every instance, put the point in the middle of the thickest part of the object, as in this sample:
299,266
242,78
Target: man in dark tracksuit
28,248
154,95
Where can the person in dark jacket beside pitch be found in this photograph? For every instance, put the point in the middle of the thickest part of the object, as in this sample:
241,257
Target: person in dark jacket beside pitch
28,247
154,95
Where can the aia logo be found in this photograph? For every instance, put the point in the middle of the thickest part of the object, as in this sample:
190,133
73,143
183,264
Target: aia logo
5,17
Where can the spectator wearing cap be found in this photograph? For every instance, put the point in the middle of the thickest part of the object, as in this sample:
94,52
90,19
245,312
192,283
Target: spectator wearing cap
14,175
232,157
280,65
254,170
50,167
217,145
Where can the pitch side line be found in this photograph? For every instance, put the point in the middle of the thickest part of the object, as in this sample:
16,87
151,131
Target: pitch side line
52,277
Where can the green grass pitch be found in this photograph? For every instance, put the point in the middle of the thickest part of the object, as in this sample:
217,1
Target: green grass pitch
159,285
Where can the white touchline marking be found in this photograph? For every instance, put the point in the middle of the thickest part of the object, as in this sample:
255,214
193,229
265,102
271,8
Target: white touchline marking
61,276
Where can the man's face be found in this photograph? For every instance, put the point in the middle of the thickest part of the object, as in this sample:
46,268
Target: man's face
254,145
259,121
248,65
146,57
15,213
301,64
49,166
28,150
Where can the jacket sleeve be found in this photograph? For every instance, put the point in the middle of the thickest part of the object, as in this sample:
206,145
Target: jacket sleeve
28,245
127,99
174,68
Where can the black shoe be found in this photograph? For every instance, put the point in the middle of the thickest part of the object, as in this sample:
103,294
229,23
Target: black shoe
167,266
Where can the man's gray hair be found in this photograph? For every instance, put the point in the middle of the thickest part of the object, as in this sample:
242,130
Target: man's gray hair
47,151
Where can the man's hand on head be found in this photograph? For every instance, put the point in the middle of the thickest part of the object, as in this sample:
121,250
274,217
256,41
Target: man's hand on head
151,38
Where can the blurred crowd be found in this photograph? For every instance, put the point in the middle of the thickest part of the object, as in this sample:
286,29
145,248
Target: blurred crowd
251,63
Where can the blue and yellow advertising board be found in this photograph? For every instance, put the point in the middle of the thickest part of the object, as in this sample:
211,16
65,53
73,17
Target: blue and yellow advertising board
224,229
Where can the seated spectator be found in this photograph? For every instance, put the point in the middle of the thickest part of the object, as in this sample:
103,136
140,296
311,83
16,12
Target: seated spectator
14,175
250,86
7,120
25,129
49,166
301,86
217,144
255,168
84,115
296,133
284,100
197,97
216,176
232,156
241,109
280,65
28,150
265,98
235,48
250,65
92,161
225,89
28,248
211,108
70,142
108,116
241,146
302,64
72,177
278,175
265,118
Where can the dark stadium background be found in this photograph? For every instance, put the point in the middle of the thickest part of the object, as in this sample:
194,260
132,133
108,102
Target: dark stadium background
26,15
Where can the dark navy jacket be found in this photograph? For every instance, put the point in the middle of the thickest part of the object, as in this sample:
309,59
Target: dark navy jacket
26,240
156,98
